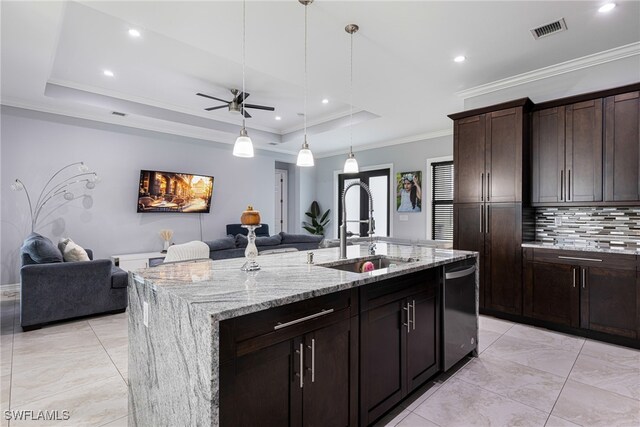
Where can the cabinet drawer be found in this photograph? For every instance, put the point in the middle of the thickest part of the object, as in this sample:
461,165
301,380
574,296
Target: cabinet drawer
585,258
241,334
389,290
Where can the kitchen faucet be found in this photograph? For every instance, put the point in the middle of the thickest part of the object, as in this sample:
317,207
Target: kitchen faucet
343,226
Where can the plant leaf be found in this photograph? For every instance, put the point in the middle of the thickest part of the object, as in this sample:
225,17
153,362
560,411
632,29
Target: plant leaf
325,215
310,230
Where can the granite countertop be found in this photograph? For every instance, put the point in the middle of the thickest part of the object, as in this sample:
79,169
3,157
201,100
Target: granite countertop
555,246
223,291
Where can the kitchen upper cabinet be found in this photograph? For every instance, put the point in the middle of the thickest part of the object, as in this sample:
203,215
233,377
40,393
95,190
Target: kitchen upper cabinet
567,154
488,151
583,151
469,153
622,148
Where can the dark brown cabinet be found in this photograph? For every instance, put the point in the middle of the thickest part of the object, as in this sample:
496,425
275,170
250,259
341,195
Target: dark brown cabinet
567,154
622,148
593,291
490,185
295,372
399,340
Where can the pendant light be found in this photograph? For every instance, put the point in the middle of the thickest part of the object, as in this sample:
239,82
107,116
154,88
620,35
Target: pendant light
305,156
351,164
243,146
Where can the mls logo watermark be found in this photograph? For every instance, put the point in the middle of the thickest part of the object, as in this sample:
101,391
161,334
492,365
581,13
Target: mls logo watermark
31,415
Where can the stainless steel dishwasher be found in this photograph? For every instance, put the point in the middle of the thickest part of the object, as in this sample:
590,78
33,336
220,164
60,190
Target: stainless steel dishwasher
460,327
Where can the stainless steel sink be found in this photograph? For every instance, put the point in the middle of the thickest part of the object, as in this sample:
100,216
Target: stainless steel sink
379,262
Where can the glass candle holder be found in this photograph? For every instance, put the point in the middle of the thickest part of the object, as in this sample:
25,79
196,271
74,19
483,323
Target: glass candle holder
251,253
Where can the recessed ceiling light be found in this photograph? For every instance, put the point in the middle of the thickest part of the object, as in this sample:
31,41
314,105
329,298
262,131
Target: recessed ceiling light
108,73
278,118
134,33
460,58
606,7
325,101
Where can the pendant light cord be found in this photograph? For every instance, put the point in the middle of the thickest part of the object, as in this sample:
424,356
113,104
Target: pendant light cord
305,73
351,99
244,25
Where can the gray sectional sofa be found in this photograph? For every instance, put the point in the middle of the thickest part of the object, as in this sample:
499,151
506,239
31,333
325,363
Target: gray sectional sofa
235,243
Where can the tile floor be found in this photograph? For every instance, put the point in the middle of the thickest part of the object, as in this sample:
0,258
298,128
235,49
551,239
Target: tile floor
524,376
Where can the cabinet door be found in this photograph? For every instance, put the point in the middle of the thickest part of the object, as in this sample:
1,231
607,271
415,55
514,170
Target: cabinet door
382,339
548,156
330,370
552,292
422,338
584,151
468,234
469,151
610,301
262,387
503,257
622,148
504,155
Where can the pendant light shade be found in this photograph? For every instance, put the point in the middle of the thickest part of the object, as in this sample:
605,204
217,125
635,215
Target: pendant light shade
305,156
243,146
351,165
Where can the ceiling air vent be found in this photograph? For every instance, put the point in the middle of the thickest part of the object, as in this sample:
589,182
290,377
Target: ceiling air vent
549,29
118,113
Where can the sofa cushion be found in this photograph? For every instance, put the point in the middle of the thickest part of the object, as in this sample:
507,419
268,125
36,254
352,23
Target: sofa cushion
300,238
234,229
40,249
227,242
73,252
119,277
242,241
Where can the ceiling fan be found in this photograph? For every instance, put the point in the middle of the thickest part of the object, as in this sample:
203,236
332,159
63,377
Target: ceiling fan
237,104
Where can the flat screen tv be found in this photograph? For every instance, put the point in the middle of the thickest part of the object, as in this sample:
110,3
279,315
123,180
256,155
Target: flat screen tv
174,192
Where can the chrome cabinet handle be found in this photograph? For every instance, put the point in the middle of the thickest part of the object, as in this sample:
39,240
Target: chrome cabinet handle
579,259
481,218
569,185
584,278
413,311
561,184
313,359
301,370
573,274
302,319
408,324
488,186
482,187
486,218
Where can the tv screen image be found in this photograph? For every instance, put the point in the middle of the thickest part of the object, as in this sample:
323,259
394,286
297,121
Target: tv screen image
174,192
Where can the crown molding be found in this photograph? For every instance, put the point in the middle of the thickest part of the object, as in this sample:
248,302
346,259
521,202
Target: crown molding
405,140
592,60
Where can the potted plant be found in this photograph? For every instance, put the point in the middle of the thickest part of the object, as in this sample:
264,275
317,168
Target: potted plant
318,222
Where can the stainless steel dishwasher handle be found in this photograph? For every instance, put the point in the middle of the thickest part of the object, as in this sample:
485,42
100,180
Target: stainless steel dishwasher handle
461,273
302,319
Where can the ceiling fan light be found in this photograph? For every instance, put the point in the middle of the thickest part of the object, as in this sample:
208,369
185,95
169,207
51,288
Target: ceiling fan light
305,156
243,146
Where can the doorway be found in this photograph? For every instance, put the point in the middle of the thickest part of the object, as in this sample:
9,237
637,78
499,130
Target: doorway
357,202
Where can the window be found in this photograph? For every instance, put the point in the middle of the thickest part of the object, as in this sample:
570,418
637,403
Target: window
357,202
442,201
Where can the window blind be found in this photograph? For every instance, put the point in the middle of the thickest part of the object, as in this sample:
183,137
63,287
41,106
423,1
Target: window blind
442,204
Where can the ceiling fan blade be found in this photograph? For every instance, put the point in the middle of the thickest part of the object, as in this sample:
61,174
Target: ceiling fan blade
242,96
246,113
215,108
259,107
212,97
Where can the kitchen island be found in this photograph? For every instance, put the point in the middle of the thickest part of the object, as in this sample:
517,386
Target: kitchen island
207,341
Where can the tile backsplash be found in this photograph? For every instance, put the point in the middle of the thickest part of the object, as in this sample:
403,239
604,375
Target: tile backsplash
603,227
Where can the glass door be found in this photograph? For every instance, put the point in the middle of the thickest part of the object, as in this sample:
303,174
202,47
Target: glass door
357,202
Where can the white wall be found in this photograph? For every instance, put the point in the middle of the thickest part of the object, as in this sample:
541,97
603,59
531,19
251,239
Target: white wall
404,157
34,145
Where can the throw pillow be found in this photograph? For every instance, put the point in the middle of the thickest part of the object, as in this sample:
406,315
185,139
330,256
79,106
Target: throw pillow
63,244
74,252
40,249
222,243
